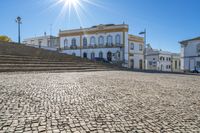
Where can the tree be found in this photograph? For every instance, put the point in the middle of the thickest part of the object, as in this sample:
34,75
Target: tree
5,38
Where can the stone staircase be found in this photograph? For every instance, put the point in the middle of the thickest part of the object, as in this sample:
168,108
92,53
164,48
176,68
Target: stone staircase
14,58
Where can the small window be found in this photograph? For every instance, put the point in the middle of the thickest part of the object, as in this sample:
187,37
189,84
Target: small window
140,47
132,46
117,40
84,42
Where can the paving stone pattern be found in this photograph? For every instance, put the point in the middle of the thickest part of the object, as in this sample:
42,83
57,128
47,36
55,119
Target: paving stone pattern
98,102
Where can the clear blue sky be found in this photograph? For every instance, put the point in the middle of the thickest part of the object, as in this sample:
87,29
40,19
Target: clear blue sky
166,21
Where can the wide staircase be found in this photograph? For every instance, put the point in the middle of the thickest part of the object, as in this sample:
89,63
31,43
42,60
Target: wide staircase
15,57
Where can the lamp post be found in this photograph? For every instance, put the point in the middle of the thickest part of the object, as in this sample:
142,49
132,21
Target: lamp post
145,41
19,22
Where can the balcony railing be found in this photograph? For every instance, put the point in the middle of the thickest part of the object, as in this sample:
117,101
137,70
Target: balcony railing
95,46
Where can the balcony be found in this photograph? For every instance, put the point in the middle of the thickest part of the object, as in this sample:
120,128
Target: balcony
94,46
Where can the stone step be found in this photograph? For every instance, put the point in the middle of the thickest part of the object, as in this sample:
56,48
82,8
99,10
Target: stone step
50,65
43,62
17,69
13,57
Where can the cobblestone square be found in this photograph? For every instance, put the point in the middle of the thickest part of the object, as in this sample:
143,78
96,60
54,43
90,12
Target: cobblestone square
98,102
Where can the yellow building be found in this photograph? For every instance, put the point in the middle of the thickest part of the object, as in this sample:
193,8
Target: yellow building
136,52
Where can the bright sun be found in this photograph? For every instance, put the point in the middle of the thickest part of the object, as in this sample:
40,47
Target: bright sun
73,3
79,7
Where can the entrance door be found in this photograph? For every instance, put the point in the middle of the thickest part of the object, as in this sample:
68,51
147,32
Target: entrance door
84,55
109,56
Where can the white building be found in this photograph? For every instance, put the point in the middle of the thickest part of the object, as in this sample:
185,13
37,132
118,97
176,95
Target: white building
46,42
104,41
136,52
158,60
190,54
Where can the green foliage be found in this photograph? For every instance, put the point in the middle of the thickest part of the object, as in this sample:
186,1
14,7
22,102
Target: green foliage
5,38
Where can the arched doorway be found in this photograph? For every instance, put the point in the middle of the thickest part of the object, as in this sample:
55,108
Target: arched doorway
84,55
109,56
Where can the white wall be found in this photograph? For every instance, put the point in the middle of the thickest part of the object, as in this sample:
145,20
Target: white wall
189,55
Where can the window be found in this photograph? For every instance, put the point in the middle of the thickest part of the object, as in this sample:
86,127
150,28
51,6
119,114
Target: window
92,41
117,40
101,41
84,42
65,43
198,64
73,46
73,42
198,48
100,54
140,47
109,40
132,46
169,59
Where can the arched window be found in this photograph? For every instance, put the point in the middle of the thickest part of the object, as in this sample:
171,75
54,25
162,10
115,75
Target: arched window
73,42
65,43
84,42
101,41
92,41
117,40
109,40
100,54
73,45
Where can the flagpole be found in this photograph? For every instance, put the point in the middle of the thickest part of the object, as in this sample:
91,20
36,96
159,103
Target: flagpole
145,41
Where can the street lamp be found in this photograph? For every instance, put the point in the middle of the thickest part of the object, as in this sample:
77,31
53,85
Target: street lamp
19,22
145,41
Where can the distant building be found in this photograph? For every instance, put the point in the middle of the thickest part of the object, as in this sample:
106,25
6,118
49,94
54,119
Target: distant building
162,60
102,41
136,52
176,62
190,54
45,41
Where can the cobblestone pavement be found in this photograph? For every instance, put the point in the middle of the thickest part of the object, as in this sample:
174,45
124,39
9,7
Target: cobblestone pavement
99,102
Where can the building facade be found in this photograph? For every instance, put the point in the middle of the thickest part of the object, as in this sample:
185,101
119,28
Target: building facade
103,41
190,54
48,42
136,52
162,60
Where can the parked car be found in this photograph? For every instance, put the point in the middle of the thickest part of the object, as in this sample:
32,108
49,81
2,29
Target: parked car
101,60
196,70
